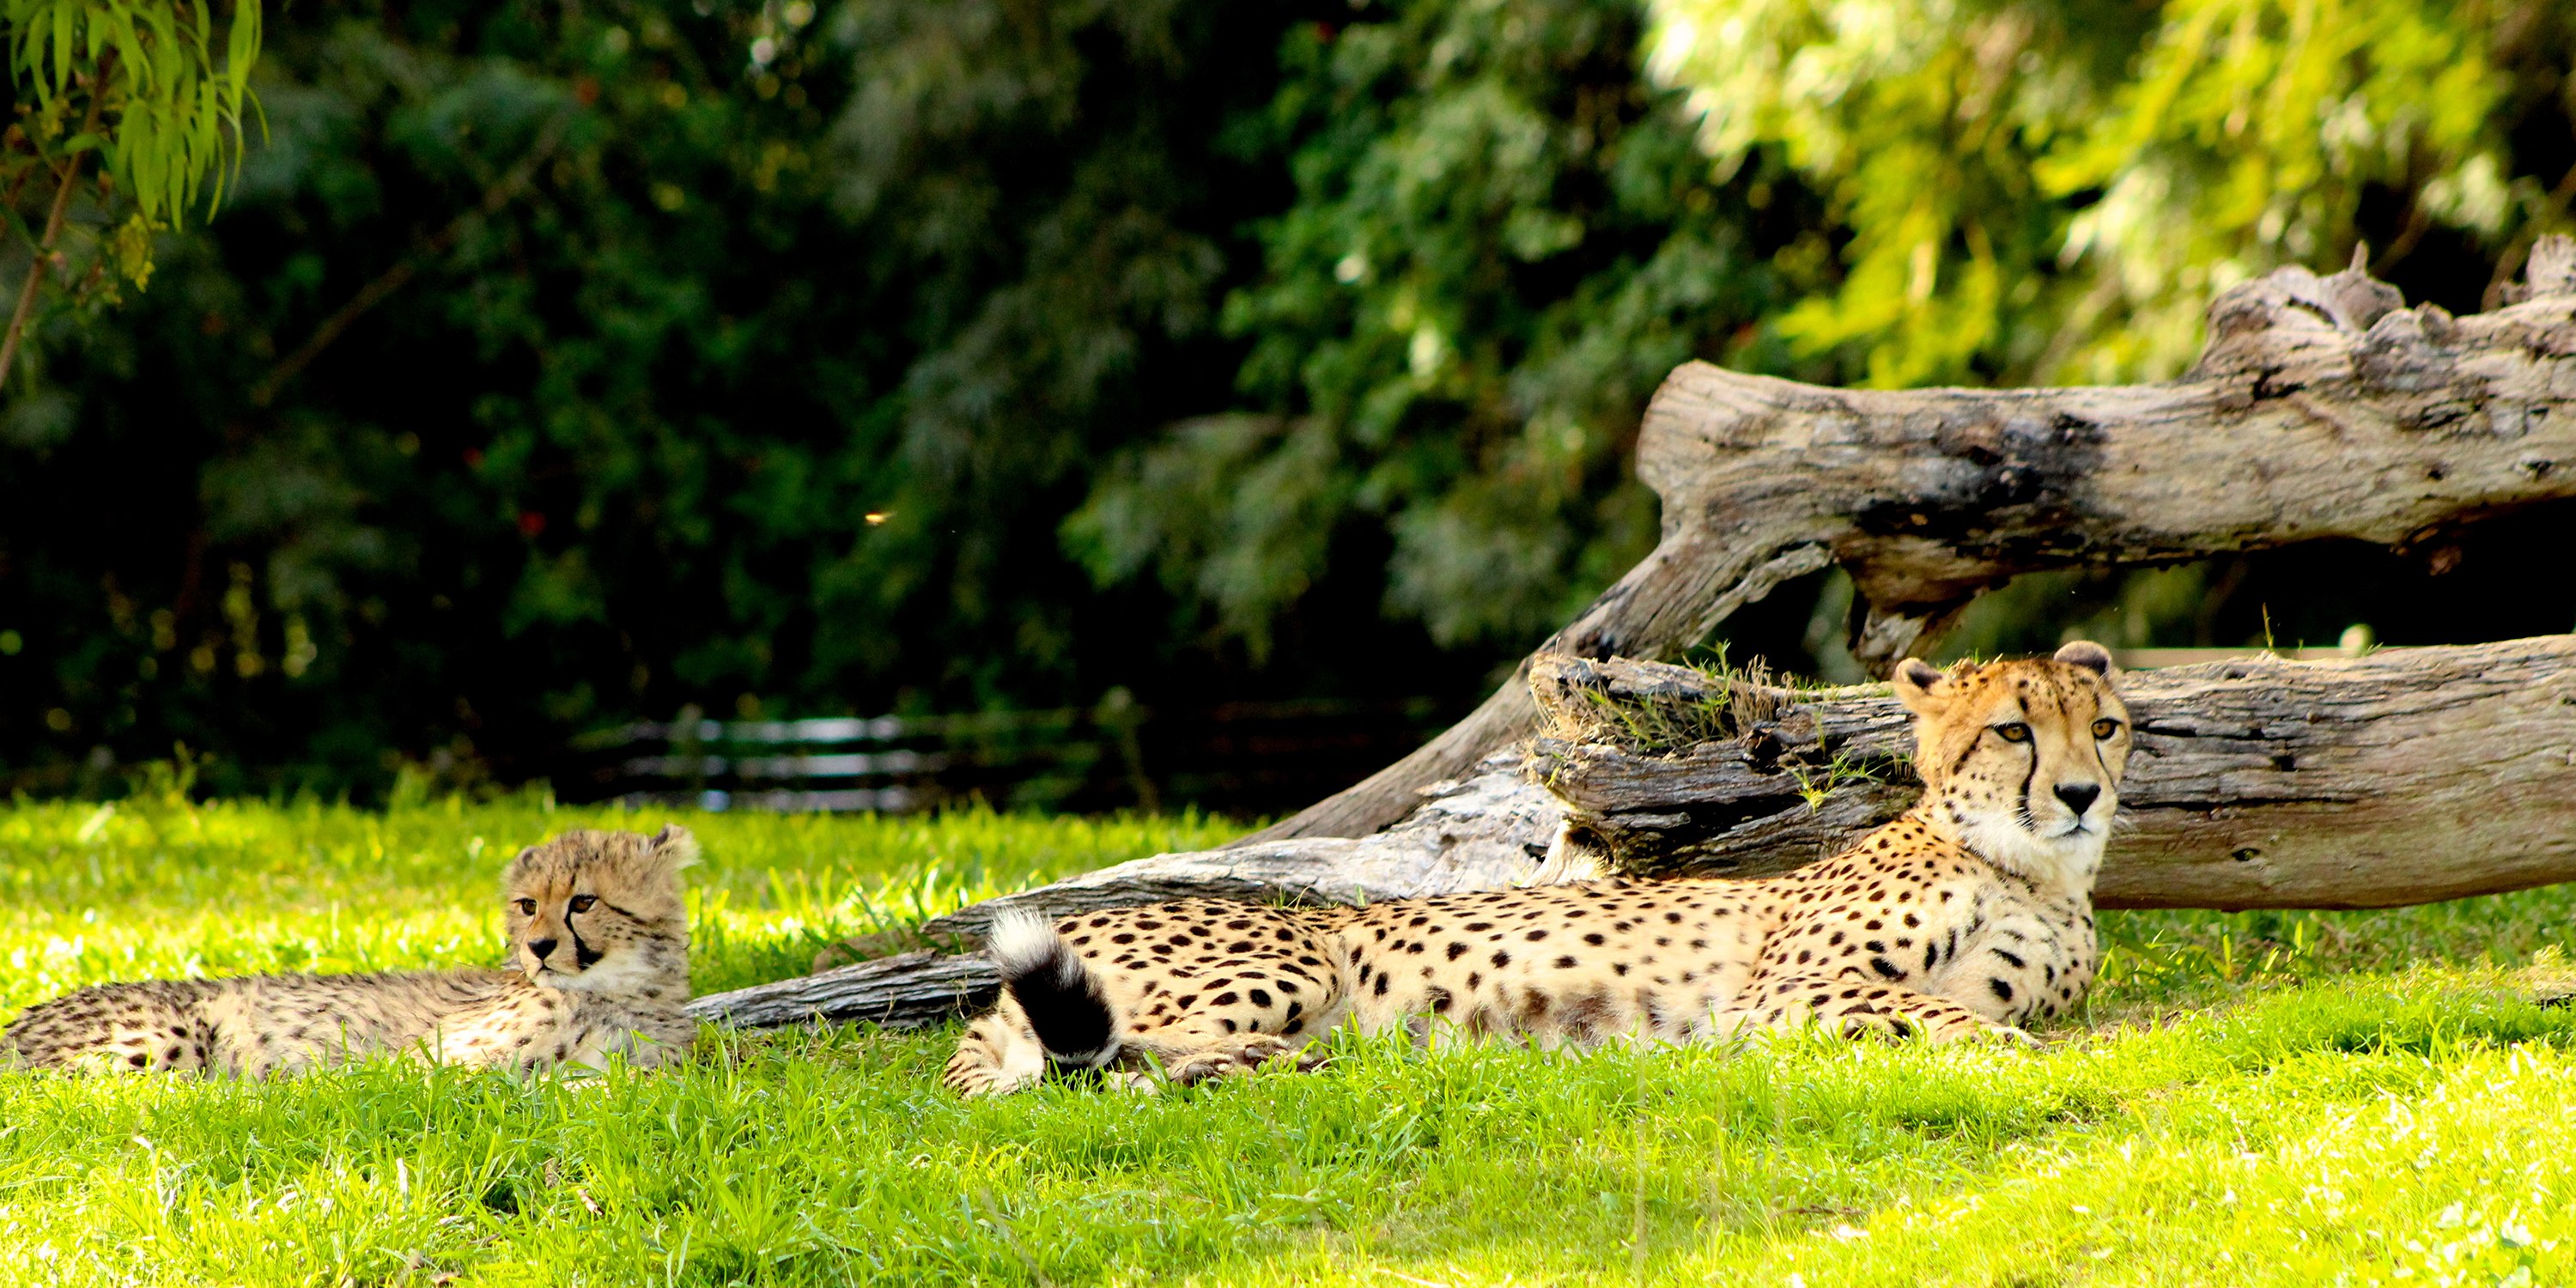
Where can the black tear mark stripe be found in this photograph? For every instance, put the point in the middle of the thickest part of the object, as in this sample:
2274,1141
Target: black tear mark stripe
2031,820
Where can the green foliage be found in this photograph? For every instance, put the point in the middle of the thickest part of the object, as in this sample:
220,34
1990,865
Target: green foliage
555,365
2264,1098
549,361
164,81
1501,241
2053,192
125,109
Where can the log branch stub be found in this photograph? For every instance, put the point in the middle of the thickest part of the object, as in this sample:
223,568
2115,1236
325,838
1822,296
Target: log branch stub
2321,409
2406,776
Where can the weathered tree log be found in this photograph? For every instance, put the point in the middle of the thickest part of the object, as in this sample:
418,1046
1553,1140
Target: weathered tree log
1492,830
900,992
2320,409
2406,776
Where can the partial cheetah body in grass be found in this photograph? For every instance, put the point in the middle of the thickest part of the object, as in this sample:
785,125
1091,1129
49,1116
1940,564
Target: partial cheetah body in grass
1971,915
599,953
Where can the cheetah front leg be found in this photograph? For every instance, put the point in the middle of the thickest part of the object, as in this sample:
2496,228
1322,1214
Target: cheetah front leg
1190,1052
1857,1008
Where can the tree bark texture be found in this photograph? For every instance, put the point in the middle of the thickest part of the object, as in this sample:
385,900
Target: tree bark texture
2320,409
905,991
2405,776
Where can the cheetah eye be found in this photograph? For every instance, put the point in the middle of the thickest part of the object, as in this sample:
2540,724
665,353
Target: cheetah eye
583,902
527,907
2105,728
2015,731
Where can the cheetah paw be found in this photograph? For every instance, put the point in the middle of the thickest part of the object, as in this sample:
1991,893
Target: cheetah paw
1205,1065
2016,1037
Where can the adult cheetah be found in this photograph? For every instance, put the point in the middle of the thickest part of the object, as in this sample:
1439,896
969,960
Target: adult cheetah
1969,915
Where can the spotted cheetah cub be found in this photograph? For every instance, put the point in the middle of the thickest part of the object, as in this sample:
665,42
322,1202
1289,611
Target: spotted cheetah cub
599,964
1970,915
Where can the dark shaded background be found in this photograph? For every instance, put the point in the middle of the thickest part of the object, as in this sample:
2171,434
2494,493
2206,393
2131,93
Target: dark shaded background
945,357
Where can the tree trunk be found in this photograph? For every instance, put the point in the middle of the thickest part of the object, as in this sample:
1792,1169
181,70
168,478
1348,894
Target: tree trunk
2407,776
2320,409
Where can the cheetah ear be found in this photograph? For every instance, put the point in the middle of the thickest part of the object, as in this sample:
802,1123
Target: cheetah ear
518,866
1920,685
2087,654
675,846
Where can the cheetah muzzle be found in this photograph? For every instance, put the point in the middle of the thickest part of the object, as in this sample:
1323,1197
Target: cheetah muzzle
1969,916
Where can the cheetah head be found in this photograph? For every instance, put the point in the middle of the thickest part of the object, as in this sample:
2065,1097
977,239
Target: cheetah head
601,911
2021,760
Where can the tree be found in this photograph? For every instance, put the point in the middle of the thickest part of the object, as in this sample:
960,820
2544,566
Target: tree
157,88
2050,193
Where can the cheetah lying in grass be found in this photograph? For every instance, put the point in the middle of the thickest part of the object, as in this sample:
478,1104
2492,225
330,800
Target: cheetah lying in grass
599,952
1969,916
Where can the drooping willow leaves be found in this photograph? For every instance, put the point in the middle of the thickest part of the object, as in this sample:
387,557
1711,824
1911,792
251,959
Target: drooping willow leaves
146,97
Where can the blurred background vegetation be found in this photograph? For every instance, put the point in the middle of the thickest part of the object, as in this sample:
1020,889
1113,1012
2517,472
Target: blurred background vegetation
558,363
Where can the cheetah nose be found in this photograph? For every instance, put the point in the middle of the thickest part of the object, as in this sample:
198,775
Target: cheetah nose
2079,797
541,947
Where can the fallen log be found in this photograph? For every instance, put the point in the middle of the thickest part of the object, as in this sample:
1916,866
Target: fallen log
2404,776
905,991
1491,830
2320,409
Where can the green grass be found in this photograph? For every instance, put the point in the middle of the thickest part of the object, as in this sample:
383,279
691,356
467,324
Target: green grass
2260,1098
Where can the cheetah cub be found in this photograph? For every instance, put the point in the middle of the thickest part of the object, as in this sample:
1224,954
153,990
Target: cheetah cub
599,963
1970,915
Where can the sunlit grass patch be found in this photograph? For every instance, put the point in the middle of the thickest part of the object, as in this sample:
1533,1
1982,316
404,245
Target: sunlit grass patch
121,892
2256,1097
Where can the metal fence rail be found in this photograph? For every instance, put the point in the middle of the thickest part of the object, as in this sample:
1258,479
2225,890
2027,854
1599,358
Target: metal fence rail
1238,757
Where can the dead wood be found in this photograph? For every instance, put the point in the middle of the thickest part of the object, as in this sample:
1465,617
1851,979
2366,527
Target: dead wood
1488,831
2320,409
900,992
2406,776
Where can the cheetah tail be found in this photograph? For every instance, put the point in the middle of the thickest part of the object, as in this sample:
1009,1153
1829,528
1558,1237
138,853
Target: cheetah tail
1064,1001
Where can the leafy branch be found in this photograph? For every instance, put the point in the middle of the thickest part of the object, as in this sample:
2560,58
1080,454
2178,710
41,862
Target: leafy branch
160,108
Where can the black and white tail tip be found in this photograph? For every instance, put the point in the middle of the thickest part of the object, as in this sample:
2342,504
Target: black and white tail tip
1062,998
